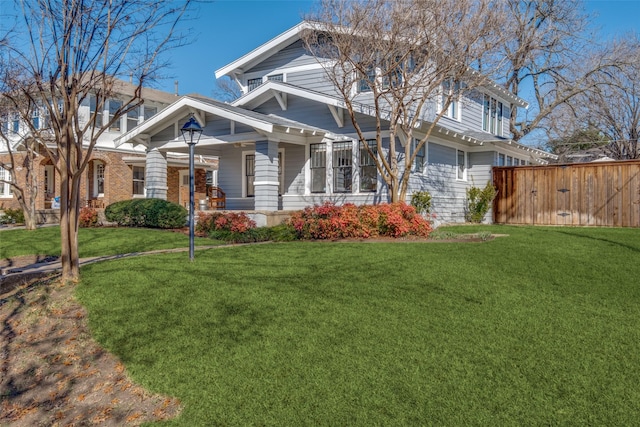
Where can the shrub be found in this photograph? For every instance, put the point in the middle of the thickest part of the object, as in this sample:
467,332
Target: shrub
329,221
12,216
88,217
479,202
152,213
228,221
421,201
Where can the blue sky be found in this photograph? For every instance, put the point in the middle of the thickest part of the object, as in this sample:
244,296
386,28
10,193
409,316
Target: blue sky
224,30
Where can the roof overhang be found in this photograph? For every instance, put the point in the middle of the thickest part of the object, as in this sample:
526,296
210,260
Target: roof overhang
182,108
264,51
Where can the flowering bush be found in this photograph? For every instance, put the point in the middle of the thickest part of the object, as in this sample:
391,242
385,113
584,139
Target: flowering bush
88,217
231,221
329,221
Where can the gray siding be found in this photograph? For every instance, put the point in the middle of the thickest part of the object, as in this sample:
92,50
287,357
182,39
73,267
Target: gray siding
294,162
315,79
314,114
293,55
230,172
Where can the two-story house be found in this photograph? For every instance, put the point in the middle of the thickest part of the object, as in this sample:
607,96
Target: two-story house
287,142
113,173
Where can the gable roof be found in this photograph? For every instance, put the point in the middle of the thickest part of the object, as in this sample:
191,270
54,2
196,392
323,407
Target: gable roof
263,51
293,34
199,107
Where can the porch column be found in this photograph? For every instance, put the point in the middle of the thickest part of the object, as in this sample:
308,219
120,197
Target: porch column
155,178
266,176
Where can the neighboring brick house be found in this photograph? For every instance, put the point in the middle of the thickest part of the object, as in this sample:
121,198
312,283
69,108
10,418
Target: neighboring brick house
113,173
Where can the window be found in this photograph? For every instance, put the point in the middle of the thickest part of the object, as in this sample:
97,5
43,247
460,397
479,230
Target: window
492,115
94,110
276,78
35,120
49,189
367,79
516,161
149,112
318,161
132,118
500,159
342,167
254,83
250,174
523,162
138,181
114,106
368,169
5,187
99,179
462,169
419,163
15,125
450,90
509,161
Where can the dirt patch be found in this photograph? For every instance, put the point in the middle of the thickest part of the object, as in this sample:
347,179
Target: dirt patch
53,373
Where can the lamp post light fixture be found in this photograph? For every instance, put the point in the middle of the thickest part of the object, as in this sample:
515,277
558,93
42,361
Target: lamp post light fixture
190,128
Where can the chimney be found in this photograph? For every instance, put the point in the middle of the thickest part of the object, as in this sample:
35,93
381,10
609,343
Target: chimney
175,83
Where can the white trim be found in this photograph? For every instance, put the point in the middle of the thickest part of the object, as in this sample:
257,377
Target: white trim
263,50
266,183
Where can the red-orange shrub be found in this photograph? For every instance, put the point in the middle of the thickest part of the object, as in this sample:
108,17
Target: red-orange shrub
230,221
88,217
329,221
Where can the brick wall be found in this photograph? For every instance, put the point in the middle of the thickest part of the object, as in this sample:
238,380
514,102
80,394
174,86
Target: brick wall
118,176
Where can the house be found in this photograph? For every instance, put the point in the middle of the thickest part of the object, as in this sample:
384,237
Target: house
113,173
287,142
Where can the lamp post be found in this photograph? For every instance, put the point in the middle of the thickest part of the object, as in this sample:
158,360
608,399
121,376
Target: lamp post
190,128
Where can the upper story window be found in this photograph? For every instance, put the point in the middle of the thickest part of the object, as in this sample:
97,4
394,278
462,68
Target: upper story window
276,77
35,120
149,112
501,159
367,79
15,124
114,106
492,111
132,118
254,83
93,109
450,91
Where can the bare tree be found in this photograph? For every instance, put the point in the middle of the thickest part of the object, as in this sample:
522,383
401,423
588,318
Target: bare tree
69,51
226,90
614,103
605,119
20,136
551,54
394,60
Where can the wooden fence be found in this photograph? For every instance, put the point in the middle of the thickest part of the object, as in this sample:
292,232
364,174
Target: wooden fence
596,194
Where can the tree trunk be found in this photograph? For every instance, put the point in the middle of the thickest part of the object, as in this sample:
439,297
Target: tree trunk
69,225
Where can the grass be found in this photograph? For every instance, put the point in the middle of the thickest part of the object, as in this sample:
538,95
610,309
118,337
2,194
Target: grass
92,241
540,327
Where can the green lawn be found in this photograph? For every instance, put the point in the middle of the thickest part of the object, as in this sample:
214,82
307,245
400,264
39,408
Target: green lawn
92,241
538,328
